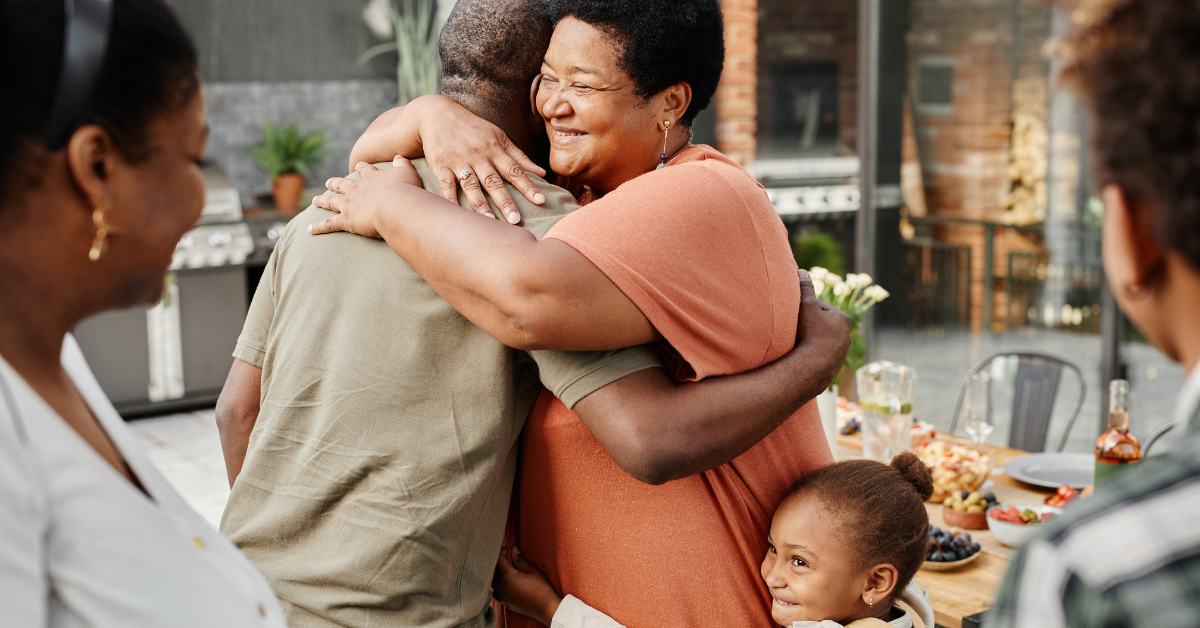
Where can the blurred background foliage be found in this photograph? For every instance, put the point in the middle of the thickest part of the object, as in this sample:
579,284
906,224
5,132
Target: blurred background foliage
817,248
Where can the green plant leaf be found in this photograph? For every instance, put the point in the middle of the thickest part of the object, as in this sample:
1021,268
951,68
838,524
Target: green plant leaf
856,357
284,149
817,248
375,51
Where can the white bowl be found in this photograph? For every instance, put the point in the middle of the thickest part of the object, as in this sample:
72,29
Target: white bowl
1017,534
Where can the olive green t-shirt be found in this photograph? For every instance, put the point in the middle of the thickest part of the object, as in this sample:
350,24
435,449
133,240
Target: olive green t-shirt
378,477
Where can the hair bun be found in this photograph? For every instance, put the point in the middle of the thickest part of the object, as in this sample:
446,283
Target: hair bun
914,472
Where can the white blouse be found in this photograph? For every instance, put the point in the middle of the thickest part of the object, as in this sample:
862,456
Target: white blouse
81,546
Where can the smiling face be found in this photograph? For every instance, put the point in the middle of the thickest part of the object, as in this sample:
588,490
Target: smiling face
154,202
601,133
810,572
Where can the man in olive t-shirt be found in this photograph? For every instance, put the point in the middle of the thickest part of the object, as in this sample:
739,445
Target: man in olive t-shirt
379,472
378,476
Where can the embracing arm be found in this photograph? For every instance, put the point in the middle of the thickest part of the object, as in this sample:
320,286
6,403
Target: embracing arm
453,140
658,430
394,132
526,293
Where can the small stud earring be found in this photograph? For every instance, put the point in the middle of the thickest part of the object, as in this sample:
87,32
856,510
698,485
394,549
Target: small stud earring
871,601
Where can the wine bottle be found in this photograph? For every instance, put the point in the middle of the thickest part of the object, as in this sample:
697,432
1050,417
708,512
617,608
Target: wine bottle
1116,448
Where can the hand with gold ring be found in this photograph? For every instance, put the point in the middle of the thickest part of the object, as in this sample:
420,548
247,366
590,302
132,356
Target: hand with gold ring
466,179
454,140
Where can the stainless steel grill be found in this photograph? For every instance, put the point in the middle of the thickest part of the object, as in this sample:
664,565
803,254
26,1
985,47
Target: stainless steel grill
176,354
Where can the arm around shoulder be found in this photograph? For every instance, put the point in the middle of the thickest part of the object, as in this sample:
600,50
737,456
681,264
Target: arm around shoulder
658,430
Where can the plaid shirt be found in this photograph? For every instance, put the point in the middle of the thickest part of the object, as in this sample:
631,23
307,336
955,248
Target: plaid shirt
1128,556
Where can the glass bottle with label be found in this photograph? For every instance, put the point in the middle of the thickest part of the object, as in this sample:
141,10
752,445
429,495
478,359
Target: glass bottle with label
1116,448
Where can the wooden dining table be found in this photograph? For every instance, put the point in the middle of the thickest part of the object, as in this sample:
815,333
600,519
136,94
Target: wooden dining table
970,589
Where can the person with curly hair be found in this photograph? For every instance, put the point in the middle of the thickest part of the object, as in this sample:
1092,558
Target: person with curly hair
1130,555
676,245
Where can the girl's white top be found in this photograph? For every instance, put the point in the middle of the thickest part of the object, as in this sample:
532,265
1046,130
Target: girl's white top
912,595
81,546
574,613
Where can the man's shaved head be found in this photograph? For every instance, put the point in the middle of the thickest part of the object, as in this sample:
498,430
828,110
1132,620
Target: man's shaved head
491,50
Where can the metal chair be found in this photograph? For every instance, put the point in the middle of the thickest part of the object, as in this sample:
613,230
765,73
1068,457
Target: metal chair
1158,433
1034,389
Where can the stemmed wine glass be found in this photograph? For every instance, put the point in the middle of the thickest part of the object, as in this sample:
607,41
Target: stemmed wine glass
979,408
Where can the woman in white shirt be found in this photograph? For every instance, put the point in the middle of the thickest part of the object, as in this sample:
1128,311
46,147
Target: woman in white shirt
101,132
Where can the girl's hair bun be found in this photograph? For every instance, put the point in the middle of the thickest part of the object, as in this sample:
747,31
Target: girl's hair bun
915,472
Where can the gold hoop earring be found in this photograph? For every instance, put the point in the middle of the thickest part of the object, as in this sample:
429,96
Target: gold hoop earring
666,132
100,242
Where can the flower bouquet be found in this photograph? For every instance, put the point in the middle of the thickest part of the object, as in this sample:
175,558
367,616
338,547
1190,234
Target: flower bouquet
853,295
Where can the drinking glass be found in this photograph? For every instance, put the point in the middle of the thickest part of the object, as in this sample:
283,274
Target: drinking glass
885,390
979,408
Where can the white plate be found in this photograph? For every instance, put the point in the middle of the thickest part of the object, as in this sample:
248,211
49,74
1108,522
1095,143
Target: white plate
1053,469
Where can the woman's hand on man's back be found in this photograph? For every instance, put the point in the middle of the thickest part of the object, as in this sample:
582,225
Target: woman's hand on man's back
362,204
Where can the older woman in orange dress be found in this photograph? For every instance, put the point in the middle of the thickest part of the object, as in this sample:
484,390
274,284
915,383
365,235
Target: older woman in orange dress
676,245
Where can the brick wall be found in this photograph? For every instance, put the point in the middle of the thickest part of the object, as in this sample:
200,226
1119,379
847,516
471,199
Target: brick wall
735,98
965,155
810,31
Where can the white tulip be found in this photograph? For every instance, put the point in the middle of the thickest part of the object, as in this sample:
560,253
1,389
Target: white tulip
861,280
877,293
818,286
818,273
841,289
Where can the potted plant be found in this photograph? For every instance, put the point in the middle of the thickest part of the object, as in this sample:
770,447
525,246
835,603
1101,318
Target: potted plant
853,295
288,157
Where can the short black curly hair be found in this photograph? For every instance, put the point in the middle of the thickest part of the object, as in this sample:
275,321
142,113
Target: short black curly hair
1136,63
661,42
491,50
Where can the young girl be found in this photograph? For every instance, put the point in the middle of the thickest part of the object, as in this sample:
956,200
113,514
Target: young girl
843,546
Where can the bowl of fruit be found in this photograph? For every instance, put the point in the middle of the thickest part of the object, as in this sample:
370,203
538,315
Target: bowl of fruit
955,467
949,550
1014,525
968,509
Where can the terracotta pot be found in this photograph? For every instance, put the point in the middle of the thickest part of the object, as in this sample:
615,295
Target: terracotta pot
287,189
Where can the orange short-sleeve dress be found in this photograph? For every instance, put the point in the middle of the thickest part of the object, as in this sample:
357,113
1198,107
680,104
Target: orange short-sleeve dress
698,247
